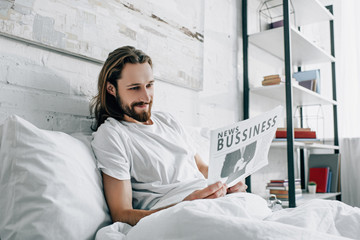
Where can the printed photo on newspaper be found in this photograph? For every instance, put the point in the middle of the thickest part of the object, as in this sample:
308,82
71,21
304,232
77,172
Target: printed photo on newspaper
242,148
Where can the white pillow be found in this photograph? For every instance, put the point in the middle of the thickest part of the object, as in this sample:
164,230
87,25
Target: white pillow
50,187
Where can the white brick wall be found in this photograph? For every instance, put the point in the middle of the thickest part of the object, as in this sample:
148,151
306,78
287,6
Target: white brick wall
43,86
53,89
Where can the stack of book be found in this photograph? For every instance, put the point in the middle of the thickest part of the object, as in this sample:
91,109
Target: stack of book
300,134
271,80
281,189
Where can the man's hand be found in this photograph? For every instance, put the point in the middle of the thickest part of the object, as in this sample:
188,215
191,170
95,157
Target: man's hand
239,187
215,190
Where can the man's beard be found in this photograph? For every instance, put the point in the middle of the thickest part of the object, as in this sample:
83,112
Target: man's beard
144,116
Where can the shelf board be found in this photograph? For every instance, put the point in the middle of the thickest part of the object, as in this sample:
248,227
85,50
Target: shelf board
303,51
310,11
301,96
307,197
309,145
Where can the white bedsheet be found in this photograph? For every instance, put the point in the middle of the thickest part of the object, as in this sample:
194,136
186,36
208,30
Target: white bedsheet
242,216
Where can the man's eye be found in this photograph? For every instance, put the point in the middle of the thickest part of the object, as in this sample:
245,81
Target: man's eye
149,85
134,88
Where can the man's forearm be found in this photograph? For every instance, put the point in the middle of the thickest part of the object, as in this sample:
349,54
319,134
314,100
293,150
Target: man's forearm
133,216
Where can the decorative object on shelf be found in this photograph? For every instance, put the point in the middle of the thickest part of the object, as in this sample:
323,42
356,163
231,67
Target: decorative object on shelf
273,203
312,117
309,79
312,187
271,16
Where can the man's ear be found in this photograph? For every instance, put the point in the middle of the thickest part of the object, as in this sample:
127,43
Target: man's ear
110,88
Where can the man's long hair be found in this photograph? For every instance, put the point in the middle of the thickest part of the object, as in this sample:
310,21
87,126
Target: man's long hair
105,105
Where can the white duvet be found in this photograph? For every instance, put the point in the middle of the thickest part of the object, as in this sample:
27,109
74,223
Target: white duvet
242,216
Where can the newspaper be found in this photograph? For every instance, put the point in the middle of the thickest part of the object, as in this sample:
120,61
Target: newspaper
240,149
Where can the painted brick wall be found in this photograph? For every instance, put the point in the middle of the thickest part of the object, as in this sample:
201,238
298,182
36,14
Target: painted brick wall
53,89
94,28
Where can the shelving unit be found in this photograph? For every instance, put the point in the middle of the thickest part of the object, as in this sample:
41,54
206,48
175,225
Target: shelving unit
288,44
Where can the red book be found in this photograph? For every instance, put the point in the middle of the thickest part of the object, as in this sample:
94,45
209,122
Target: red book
320,176
297,134
283,180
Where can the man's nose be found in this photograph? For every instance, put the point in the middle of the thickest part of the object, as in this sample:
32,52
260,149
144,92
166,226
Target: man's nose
146,95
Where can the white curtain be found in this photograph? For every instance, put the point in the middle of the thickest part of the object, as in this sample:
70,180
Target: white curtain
347,40
350,168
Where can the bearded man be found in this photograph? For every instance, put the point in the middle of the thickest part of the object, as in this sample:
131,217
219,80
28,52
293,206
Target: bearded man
146,158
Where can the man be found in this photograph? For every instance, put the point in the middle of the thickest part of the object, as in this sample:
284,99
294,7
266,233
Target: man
146,160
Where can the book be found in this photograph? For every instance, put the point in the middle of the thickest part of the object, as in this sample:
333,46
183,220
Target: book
297,196
338,178
242,148
309,75
271,82
295,129
271,185
286,196
328,160
297,134
282,187
320,176
309,84
280,191
305,140
277,24
329,182
274,76
283,180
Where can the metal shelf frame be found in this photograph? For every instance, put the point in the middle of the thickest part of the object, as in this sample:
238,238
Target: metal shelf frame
290,143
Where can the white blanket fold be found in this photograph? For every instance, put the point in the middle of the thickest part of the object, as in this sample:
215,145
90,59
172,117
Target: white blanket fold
242,216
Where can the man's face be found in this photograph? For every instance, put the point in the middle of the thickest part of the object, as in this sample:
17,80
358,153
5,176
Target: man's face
136,90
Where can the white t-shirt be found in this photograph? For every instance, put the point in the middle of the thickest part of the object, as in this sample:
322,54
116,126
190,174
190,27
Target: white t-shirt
158,159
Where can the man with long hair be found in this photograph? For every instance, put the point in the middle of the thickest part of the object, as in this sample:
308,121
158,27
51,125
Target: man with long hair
145,157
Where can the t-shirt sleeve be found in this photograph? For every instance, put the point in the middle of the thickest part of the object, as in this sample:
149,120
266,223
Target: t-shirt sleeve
111,153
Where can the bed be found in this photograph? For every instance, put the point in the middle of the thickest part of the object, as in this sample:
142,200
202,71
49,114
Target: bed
51,189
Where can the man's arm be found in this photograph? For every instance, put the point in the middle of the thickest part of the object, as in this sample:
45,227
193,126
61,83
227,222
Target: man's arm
118,195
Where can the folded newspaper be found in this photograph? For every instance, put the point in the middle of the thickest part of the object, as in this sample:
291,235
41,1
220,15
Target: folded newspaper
240,149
